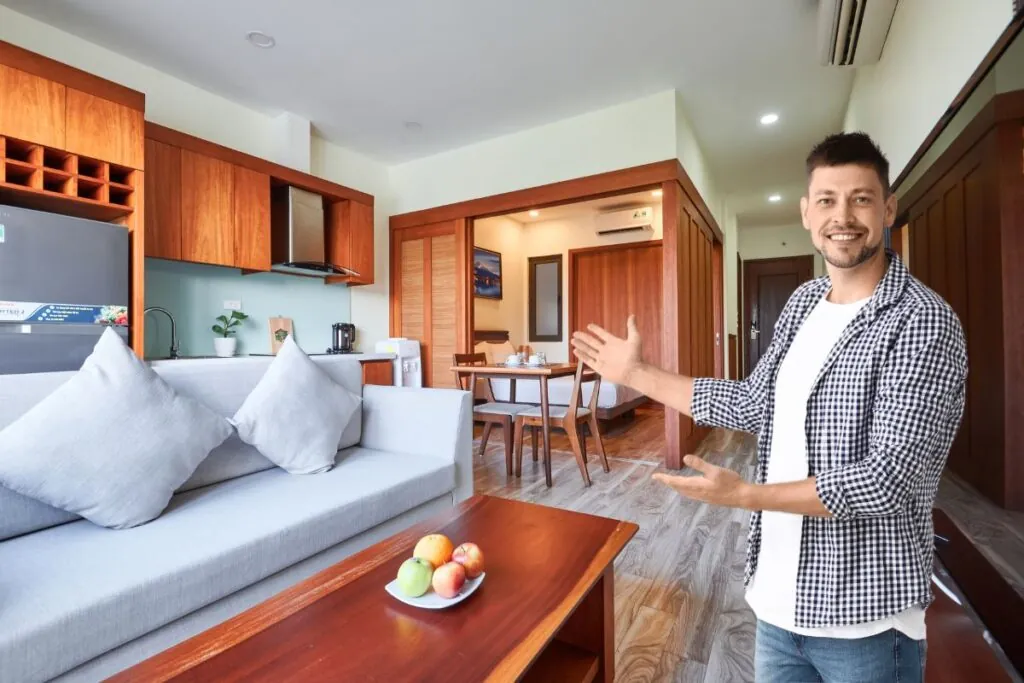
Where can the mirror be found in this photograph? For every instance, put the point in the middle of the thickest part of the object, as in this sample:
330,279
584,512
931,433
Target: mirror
546,298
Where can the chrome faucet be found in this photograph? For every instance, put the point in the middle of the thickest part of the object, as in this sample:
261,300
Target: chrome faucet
174,335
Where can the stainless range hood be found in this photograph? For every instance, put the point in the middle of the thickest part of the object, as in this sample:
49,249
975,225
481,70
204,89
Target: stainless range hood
298,234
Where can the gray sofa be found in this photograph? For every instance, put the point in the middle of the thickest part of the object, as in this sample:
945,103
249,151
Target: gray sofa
80,602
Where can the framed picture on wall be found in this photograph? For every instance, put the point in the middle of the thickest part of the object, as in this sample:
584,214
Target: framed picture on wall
486,273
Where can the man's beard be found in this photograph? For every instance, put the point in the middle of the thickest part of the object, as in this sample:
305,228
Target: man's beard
844,259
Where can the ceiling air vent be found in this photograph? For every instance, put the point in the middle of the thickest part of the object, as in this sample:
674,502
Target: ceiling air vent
853,32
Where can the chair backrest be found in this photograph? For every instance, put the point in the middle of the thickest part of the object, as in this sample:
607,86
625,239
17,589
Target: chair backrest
470,359
577,394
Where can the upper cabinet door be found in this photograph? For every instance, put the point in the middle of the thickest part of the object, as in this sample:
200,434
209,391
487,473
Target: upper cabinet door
163,200
350,239
207,210
104,130
31,108
252,219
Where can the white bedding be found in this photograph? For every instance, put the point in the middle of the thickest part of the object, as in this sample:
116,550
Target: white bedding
560,389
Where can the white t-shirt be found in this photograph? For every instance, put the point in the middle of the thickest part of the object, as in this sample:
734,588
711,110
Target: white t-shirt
772,592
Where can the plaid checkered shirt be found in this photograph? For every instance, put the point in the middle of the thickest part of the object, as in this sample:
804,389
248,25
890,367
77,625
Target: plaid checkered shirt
881,418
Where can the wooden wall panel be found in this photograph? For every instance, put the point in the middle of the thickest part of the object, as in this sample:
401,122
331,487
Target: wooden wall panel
442,310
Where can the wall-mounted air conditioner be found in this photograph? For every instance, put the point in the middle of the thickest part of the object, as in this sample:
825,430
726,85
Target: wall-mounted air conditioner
853,32
625,220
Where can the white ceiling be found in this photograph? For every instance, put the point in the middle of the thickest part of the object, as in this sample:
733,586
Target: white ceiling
468,70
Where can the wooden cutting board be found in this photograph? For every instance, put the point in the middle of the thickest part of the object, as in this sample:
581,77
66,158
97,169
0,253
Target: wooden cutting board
280,329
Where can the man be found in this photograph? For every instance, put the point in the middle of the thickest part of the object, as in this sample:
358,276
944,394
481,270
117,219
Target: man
855,404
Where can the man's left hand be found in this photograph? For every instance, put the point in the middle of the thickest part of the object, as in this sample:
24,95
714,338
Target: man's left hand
718,486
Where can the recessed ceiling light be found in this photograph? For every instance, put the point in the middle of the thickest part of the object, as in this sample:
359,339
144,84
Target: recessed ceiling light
260,39
414,126
769,119
534,213
775,197
656,193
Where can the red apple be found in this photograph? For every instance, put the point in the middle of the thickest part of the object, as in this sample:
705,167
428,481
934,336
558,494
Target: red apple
471,557
448,579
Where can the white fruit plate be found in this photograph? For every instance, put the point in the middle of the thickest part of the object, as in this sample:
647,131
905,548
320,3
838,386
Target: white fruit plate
430,599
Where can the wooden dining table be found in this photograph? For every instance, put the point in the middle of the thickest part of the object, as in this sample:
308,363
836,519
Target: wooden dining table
541,373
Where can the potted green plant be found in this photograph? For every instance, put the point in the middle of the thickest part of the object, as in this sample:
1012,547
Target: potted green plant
225,344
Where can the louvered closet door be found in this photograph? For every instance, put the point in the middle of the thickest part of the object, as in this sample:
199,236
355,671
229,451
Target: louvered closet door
426,296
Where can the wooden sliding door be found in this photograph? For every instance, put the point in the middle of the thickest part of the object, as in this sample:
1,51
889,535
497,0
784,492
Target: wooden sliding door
607,284
428,296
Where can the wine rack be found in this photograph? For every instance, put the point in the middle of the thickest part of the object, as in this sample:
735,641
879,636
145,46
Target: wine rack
40,177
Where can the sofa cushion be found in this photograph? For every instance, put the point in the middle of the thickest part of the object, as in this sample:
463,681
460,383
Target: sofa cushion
112,443
220,384
75,591
296,414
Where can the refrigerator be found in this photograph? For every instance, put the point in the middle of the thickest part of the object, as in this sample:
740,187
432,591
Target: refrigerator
63,281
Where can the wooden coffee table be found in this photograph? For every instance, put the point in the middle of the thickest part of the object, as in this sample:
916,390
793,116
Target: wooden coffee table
544,612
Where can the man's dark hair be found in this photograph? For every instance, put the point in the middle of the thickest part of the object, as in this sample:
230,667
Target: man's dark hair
841,149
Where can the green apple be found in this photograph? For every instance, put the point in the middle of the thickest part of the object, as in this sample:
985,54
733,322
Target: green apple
414,577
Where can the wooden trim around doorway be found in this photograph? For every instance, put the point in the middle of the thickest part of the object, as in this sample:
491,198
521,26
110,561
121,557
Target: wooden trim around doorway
648,176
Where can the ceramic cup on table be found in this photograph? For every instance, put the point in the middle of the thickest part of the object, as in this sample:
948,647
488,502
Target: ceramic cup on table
534,360
513,359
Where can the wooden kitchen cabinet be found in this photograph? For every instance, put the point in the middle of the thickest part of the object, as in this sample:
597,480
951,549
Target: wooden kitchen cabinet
379,372
251,219
163,201
32,108
207,210
104,130
350,240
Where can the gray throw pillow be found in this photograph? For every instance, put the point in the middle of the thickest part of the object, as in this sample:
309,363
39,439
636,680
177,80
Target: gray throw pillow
112,443
296,414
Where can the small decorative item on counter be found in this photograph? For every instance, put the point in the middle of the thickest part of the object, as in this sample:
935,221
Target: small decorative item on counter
224,344
280,328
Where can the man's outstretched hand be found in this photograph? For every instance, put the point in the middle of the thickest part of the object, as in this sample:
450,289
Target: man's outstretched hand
718,486
614,358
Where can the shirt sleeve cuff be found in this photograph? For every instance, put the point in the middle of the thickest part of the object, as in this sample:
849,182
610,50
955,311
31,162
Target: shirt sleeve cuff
829,487
700,405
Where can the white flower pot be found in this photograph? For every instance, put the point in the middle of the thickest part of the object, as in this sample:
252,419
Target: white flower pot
225,346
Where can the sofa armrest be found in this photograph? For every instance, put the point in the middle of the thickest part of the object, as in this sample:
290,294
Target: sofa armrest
434,422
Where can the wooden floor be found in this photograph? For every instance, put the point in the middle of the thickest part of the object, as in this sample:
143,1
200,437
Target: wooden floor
680,612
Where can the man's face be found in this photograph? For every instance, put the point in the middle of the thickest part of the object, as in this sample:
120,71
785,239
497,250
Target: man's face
846,212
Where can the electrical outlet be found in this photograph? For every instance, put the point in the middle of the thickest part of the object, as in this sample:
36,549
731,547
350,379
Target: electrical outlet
233,304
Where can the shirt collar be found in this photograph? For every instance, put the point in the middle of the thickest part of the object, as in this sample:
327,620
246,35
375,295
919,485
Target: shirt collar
889,289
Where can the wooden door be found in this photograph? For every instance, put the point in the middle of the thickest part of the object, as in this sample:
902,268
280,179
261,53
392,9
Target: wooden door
105,130
607,284
430,274
207,209
163,200
32,108
251,219
767,286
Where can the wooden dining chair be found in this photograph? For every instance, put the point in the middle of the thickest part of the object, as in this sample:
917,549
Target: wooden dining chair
570,419
492,412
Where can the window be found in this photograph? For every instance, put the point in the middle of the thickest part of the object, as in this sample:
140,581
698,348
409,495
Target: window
546,298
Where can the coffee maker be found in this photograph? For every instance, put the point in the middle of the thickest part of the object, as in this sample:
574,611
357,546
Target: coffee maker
344,338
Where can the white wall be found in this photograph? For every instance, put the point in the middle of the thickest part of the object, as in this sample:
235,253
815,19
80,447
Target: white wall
777,242
630,134
507,237
730,275
932,48
689,152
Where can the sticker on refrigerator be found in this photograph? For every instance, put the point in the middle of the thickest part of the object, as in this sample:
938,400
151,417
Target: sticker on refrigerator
1,233
28,311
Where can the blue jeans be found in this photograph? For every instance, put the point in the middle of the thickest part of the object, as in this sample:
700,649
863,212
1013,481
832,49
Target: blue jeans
784,657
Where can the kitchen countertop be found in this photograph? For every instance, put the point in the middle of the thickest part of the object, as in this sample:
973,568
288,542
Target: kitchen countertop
261,356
